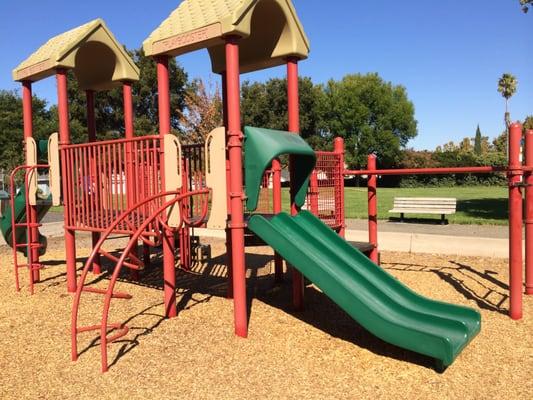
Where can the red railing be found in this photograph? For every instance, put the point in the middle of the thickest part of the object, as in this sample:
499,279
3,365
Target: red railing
324,198
107,177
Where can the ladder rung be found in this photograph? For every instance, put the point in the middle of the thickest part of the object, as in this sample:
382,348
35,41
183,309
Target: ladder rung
28,225
123,330
32,245
116,295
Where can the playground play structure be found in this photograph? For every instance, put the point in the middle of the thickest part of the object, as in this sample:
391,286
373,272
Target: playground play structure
155,189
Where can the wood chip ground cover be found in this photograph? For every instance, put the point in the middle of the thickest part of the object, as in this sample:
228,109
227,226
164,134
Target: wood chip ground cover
318,353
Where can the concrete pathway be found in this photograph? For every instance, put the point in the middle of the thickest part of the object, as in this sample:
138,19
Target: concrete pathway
468,240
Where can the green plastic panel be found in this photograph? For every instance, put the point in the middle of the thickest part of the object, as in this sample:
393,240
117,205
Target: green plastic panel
261,146
20,216
371,296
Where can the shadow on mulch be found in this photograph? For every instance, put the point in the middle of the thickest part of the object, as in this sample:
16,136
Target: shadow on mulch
461,279
210,279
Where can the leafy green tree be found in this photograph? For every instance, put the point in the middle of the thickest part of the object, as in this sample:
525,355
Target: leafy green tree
477,142
372,115
507,87
528,123
11,127
526,4
265,105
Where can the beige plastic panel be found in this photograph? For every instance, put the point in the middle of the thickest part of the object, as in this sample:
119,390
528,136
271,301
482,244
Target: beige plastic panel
215,169
97,58
270,28
54,171
172,150
31,159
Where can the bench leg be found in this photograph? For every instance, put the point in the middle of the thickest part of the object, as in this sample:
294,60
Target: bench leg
442,219
401,217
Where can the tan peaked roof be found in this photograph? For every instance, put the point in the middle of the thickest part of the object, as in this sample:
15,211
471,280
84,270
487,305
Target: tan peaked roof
97,58
270,29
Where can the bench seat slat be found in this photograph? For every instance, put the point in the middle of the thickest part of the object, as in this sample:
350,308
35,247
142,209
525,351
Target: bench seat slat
419,211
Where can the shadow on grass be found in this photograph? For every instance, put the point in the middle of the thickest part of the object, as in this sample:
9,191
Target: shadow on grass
486,208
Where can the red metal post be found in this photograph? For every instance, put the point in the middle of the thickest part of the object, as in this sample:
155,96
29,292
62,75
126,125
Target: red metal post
529,211
130,174
515,222
27,117
313,192
294,126
372,208
91,130
236,194
229,258
64,138
276,203
338,149
169,273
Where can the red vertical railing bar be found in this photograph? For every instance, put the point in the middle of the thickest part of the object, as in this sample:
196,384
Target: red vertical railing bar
236,194
91,128
515,222
338,149
64,135
100,194
372,209
313,192
294,126
529,211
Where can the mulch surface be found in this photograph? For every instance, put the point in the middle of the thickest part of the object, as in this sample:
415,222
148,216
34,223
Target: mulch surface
317,353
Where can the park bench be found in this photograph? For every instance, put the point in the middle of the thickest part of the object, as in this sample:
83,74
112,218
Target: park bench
424,205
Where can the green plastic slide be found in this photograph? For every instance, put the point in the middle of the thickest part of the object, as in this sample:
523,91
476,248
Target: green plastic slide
370,295
20,216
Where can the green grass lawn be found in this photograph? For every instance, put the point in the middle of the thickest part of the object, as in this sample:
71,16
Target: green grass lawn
475,204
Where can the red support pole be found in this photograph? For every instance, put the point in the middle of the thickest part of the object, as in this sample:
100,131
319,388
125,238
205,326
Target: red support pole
313,192
236,194
515,222
294,126
372,209
27,117
130,174
169,273
276,202
64,138
91,130
229,257
529,211
338,148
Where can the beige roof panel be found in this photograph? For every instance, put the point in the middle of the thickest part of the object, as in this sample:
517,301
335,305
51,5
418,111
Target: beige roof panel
270,29
99,61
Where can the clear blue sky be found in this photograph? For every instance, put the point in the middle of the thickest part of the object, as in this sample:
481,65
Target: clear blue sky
448,54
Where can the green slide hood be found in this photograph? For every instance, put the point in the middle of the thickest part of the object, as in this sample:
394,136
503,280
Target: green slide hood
261,146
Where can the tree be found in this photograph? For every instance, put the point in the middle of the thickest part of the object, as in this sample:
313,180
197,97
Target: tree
372,115
11,126
265,105
202,113
477,142
526,4
528,123
507,87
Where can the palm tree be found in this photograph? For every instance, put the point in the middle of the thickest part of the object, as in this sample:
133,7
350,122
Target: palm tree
507,87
